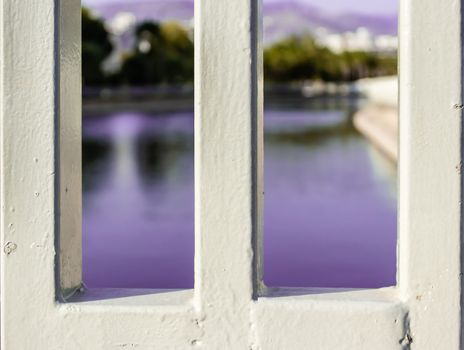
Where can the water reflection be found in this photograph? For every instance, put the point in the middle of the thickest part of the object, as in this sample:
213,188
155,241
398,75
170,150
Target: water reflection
157,157
330,216
138,224
94,160
330,207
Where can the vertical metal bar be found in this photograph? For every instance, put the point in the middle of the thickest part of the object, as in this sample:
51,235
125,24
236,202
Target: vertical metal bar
228,116
40,158
69,145
430,170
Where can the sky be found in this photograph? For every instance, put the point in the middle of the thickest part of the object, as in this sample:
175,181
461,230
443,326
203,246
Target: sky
372,7
358,6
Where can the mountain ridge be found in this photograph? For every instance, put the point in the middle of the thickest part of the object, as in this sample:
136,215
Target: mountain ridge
280,18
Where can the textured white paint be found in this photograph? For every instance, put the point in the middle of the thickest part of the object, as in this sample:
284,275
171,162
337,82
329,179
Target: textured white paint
28,170
430,170
226,117
229,308
329,319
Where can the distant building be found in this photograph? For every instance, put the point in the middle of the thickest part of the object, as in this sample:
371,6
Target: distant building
360,40
386,43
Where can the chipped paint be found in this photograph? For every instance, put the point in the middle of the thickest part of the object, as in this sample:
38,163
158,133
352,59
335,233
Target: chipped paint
9,248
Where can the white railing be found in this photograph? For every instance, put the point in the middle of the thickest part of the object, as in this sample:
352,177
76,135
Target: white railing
229,307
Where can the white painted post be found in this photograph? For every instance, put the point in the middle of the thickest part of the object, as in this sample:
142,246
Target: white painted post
29,152
229,309
430,215
227,148
68,145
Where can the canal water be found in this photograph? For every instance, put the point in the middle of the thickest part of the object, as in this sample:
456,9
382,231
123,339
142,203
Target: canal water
330,199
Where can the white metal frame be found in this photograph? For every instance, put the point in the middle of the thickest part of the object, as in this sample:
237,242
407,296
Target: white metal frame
229,308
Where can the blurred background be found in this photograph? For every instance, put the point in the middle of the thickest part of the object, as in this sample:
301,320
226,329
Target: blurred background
330,143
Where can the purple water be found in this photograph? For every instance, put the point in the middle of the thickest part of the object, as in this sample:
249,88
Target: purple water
138,201
330,207
330,204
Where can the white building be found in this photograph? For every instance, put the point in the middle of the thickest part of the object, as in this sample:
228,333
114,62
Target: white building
360,40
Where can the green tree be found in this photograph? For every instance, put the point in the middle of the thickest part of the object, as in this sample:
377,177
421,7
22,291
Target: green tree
162,54
96,47
301,58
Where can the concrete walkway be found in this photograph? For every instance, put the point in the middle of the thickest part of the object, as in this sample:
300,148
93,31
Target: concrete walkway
378,121
379,124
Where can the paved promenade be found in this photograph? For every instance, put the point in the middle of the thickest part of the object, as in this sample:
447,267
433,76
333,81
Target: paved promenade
378,121
380,125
